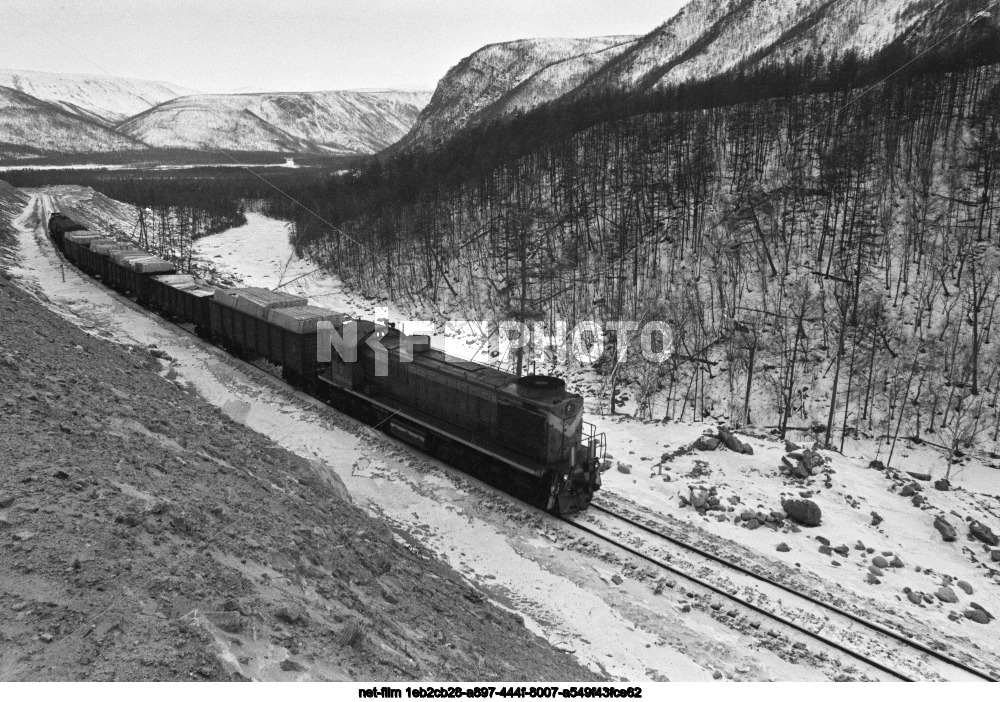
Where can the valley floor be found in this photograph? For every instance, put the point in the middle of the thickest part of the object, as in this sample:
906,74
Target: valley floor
611,614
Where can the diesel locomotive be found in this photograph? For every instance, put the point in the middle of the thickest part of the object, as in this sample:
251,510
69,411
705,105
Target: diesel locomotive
524,435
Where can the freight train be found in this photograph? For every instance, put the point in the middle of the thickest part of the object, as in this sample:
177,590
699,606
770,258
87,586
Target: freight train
523,435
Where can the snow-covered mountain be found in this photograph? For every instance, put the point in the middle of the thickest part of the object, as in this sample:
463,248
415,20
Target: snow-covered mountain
514,75
32,127
104,99
335,122
704,39
708,37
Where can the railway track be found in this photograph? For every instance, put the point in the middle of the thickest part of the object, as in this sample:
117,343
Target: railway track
258,373
853,626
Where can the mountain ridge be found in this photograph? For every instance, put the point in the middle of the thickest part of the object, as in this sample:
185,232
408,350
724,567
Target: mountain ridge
704,40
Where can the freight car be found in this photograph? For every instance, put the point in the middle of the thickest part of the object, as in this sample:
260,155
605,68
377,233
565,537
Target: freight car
524,435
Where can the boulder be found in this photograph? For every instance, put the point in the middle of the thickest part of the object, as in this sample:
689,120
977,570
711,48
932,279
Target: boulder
914,597
964,587
805,512
948,532
880,562
812,460
783,547
946,594
983,533
942,485
706,443
877,465
731,442
974,605
977,615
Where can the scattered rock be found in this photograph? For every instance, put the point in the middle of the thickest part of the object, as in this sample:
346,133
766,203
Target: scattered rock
964,587
791,446
734,444
290,615
983,533
717,675
977,615
706,443
805,512
876,519
291,666
823,540
995,556
783,547
753,524
919,476
875,570
617,579
61,475
880,562
948,532
946,594
908,490
896,562
812,460
623,468
876,465
825,550
6,502
47,638
842,550
230,621
872,580
942,485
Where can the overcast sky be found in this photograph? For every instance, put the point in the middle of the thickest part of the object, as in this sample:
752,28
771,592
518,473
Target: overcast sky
227,45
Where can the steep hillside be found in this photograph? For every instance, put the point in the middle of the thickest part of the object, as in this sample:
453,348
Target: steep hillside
343,122
31,127
500,78
707,38
106,99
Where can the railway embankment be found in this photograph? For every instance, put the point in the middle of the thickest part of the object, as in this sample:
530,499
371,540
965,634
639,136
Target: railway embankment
144,535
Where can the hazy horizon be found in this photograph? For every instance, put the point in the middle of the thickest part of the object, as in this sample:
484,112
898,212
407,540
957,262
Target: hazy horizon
227,46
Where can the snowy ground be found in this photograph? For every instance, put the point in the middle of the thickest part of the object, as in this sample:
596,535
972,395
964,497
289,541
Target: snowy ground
584,597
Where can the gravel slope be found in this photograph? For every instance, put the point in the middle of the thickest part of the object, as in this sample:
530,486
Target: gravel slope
150,537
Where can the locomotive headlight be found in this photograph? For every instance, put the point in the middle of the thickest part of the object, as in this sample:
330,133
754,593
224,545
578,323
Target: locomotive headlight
570,409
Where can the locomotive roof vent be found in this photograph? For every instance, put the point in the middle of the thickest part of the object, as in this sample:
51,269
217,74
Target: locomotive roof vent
540,387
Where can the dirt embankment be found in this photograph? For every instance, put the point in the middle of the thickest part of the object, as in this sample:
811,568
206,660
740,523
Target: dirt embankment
145,536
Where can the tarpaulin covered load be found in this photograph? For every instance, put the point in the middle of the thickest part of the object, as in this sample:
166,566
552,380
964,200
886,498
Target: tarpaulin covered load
122,254
256,302
106,249
176,280
83,238
151,265
302,320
